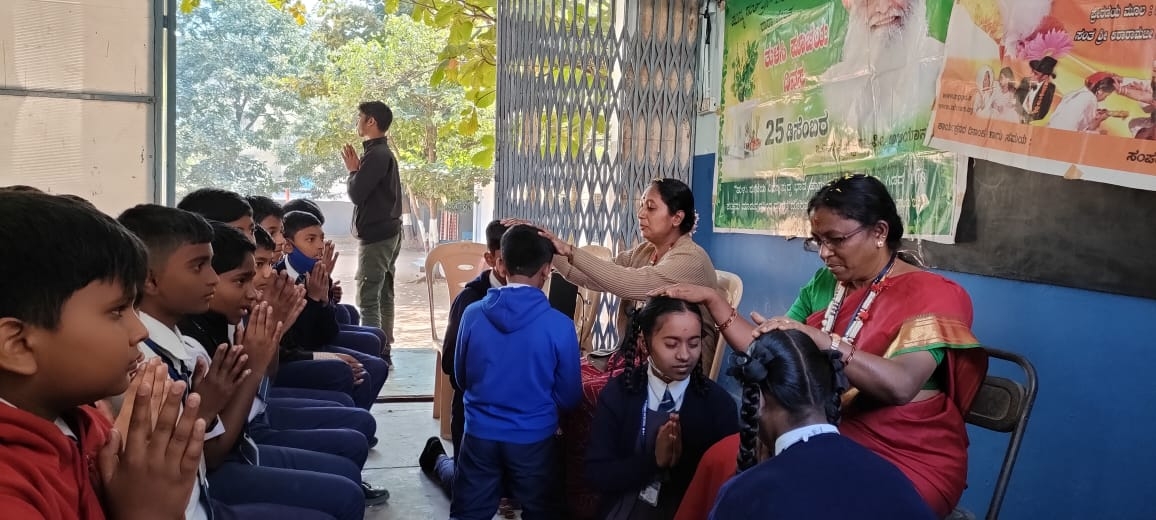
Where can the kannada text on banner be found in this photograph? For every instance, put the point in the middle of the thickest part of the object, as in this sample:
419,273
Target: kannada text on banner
1059,86
814,90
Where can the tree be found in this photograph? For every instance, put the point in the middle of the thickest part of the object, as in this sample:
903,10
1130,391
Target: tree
232,104
436,157
468,58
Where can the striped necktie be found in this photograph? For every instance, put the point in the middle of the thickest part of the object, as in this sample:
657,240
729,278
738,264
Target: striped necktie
667,403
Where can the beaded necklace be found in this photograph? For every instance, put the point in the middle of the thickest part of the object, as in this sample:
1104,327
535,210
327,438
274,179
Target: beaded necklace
856,324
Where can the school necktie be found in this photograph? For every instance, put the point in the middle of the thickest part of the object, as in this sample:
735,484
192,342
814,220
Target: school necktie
179,372
667,403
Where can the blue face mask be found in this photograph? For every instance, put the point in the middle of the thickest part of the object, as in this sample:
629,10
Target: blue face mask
301,263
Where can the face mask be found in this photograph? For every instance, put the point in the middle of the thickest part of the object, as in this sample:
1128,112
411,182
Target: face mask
301,263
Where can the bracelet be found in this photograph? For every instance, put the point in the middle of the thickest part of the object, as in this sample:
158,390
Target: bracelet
729,321
854,349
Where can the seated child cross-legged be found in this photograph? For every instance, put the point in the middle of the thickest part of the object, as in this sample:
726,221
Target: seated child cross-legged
309,263
348,316
318,429
68,336
280,291
182,282
517,365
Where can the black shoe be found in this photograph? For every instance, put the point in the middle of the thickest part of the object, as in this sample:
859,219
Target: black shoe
429,455
374,496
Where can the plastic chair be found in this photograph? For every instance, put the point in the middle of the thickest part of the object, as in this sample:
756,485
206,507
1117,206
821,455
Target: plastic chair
586,310
460,262
732,285
1002,405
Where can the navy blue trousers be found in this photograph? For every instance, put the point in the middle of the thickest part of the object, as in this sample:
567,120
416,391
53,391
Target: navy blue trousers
342,442
286,413
325,374
376,369
291,477
222,511
487,468
330,397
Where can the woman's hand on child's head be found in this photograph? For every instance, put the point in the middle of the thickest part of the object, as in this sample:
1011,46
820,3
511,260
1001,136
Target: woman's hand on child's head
150,474
685,291
218,381
560,247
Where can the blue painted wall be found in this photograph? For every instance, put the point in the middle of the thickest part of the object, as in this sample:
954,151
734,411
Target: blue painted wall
1088,452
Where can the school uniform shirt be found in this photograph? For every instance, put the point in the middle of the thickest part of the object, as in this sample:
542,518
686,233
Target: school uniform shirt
184,351
658,389
620,464
48,468
315,328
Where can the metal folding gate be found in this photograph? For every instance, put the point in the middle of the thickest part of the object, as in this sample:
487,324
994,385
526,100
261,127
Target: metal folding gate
595,99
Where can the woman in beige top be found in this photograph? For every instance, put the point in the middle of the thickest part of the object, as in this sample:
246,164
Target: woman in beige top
667,255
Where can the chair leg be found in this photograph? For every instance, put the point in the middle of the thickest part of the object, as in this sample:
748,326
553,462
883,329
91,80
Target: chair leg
437,375
445,404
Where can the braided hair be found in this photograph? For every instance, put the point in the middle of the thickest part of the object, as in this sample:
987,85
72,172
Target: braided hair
787,367
641,323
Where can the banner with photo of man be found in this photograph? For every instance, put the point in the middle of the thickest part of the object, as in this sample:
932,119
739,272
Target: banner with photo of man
813,90
1058,86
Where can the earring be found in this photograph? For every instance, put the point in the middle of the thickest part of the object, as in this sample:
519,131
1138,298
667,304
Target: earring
879,244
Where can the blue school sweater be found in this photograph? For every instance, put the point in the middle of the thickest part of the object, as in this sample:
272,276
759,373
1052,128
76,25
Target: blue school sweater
826,477
517,364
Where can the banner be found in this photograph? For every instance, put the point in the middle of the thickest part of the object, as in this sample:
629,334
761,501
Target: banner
1058,86
816,89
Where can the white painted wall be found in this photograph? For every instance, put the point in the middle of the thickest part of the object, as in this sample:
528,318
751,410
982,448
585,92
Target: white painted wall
100,150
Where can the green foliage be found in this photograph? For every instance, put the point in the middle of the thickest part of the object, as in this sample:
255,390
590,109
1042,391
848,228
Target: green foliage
467,59
435,153
230,107
255,89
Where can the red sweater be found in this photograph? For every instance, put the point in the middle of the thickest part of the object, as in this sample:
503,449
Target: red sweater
45,474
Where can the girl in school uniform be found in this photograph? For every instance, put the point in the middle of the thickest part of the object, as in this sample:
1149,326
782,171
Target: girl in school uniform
656,419
791,395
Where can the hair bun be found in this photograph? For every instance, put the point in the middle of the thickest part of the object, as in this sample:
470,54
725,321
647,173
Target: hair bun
751,366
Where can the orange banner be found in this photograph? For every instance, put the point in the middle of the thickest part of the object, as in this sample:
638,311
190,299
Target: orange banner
1064,87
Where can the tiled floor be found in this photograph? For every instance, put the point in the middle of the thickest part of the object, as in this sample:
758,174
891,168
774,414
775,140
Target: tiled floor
403,429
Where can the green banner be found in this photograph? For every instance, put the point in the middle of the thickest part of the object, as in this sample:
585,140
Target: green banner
815,89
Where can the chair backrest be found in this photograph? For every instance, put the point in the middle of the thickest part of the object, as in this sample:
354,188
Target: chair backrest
731,285
1004,405
586,309
460,262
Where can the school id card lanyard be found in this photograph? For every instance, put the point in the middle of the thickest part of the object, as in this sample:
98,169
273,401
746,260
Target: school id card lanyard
649,494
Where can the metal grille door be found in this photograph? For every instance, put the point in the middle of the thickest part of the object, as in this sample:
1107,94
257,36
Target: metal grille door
595,99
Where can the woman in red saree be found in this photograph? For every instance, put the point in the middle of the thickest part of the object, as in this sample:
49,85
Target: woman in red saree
904,334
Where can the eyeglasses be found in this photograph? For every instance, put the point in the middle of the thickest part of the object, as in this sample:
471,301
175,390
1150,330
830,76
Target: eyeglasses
813,244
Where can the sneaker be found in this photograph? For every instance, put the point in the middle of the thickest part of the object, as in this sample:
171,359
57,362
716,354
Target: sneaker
374,496
429,455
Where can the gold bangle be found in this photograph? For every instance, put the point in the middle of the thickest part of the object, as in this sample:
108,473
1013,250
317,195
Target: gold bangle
729,321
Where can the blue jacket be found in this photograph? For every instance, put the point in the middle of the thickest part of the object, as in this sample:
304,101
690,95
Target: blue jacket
517,364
